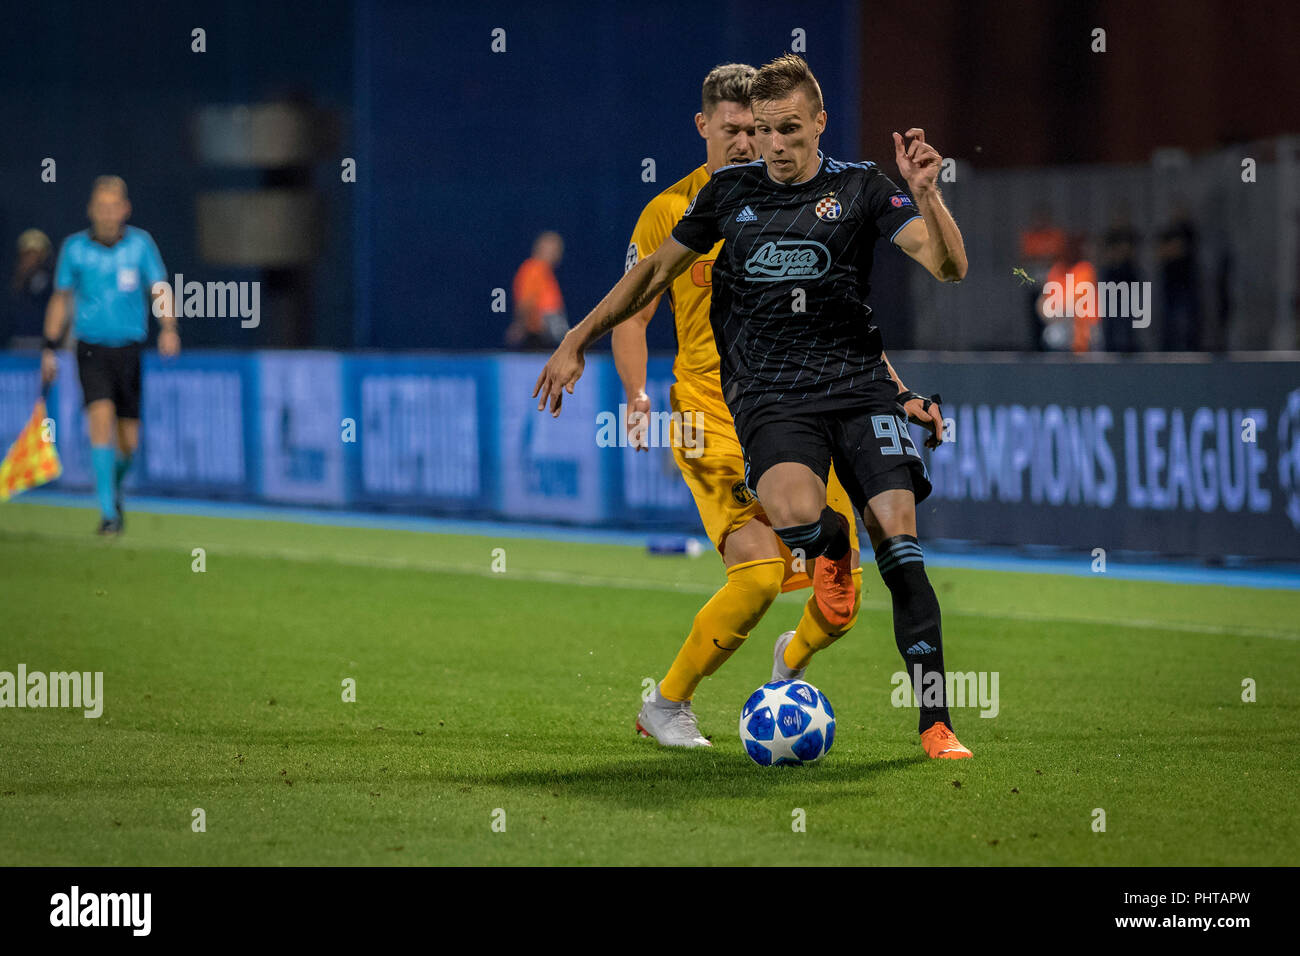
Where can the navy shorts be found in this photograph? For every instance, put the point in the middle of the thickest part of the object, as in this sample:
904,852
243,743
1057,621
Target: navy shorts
868,442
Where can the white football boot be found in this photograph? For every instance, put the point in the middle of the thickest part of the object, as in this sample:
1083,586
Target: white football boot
779,670
669,722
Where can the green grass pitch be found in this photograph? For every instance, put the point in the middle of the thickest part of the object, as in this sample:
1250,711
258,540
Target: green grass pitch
479,691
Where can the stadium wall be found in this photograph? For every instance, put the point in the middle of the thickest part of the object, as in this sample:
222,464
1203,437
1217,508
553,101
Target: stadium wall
1196,457
467,154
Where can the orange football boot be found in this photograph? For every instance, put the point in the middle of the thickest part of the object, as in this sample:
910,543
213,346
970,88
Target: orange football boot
833,585
940,743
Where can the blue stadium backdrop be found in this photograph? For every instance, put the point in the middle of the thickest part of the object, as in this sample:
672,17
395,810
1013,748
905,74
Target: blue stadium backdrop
465,155
1182,458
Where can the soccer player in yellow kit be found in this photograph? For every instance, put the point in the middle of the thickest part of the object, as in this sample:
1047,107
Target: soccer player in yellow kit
759,565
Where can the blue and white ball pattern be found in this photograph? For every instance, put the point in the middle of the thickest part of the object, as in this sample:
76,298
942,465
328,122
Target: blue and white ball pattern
787,722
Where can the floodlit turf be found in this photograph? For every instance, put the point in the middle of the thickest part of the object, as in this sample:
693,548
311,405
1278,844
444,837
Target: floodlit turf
478,691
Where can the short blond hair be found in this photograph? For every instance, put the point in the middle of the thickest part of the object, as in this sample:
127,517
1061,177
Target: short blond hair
728,82
33,240
109,182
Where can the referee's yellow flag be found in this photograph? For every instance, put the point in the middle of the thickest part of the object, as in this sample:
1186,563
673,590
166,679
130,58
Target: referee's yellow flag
32,459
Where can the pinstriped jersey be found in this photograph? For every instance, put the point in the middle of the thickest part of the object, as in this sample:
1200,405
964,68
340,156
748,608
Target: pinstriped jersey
790,283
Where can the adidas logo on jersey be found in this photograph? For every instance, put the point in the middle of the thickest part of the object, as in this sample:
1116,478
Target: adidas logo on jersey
746,215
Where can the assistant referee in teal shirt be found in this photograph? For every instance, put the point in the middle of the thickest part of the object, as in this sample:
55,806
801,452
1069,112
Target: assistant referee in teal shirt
105,277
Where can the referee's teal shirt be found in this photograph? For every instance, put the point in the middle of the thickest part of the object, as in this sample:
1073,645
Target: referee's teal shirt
110,285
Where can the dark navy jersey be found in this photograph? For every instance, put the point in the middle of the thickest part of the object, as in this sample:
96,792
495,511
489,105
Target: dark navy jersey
790,284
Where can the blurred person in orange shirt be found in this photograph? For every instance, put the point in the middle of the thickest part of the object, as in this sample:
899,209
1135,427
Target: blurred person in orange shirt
540,322
1043,241
1077,276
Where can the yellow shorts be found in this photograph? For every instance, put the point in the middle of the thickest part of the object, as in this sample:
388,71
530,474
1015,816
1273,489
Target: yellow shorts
709,457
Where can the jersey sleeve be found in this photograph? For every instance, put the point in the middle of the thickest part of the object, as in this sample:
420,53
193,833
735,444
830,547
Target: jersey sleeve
652,228
889,207
151,264
65,275
698,228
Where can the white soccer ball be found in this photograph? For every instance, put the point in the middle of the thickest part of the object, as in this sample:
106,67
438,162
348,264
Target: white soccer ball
787,722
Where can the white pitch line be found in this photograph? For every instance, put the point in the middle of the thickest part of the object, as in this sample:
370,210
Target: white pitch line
570,579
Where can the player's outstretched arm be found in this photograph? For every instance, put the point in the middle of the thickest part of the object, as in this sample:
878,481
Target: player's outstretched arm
933,240
631,355
640,286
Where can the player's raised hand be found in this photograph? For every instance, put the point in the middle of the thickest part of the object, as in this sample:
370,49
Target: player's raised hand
638,421
561,371
931,420
918,161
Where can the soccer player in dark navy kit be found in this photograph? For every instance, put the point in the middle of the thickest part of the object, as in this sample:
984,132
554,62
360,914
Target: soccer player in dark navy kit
106,276
803,368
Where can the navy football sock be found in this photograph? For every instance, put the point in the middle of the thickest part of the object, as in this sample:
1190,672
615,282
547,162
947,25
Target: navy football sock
824,536
917,629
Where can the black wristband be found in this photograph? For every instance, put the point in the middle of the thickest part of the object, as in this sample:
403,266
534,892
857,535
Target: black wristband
907,395
51,344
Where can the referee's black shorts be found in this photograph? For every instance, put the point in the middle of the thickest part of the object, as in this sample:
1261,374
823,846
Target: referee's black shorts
111,372
868,442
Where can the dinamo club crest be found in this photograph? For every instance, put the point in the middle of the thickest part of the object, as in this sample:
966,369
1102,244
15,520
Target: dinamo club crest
828,209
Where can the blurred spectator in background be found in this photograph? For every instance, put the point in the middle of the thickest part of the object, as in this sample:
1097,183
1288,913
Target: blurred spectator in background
1041,245
539,322
1181,328
1223,269
1119,264
1073,273
28,292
